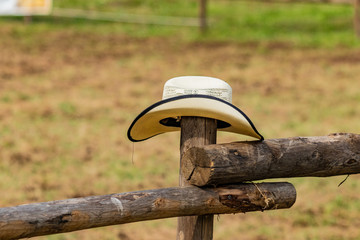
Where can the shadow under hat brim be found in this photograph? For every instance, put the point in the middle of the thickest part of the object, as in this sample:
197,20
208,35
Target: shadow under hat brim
162,117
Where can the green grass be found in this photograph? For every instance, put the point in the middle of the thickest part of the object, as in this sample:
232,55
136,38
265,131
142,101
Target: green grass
310,25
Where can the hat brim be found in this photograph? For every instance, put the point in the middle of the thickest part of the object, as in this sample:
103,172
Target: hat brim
161,117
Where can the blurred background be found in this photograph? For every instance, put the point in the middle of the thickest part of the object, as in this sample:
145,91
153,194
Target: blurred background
74,75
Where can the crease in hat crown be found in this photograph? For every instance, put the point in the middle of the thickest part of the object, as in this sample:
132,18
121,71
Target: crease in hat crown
197,96
191,85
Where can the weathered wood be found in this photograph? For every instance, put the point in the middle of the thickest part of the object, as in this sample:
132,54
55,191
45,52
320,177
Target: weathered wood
195,131
336,154
81,213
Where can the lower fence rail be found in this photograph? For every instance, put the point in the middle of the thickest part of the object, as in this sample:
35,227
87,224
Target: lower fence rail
69,215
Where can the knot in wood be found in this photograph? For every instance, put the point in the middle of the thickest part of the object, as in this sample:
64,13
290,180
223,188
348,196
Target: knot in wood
351,161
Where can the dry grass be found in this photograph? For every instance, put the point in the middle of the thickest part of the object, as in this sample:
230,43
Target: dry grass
67,100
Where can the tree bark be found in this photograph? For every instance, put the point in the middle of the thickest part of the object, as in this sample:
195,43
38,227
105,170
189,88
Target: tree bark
195,131
46,218
336,154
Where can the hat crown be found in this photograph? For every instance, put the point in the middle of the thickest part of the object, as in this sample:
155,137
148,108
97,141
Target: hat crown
197,85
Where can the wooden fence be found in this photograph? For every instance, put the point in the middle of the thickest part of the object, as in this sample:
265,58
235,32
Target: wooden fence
201,21
202,165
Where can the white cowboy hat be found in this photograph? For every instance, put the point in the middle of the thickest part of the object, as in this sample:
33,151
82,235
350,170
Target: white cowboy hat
192,96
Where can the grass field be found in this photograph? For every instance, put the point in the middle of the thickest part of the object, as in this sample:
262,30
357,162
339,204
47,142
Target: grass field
305,25
69,89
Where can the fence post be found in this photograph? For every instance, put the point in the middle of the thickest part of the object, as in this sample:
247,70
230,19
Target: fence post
27,19
195,131
202,15
357,17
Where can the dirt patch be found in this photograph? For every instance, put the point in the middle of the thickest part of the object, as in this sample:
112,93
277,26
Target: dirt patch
64,48
352,58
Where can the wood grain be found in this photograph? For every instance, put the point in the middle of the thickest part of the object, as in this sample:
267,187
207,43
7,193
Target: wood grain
82,213
324,156
195,131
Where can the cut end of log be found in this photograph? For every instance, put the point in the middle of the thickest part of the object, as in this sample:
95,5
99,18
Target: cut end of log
196,165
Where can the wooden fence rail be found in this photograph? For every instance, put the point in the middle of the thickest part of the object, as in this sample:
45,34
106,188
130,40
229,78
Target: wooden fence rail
81,213
325,156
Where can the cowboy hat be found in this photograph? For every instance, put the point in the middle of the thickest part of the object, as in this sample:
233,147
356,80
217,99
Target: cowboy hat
192,96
